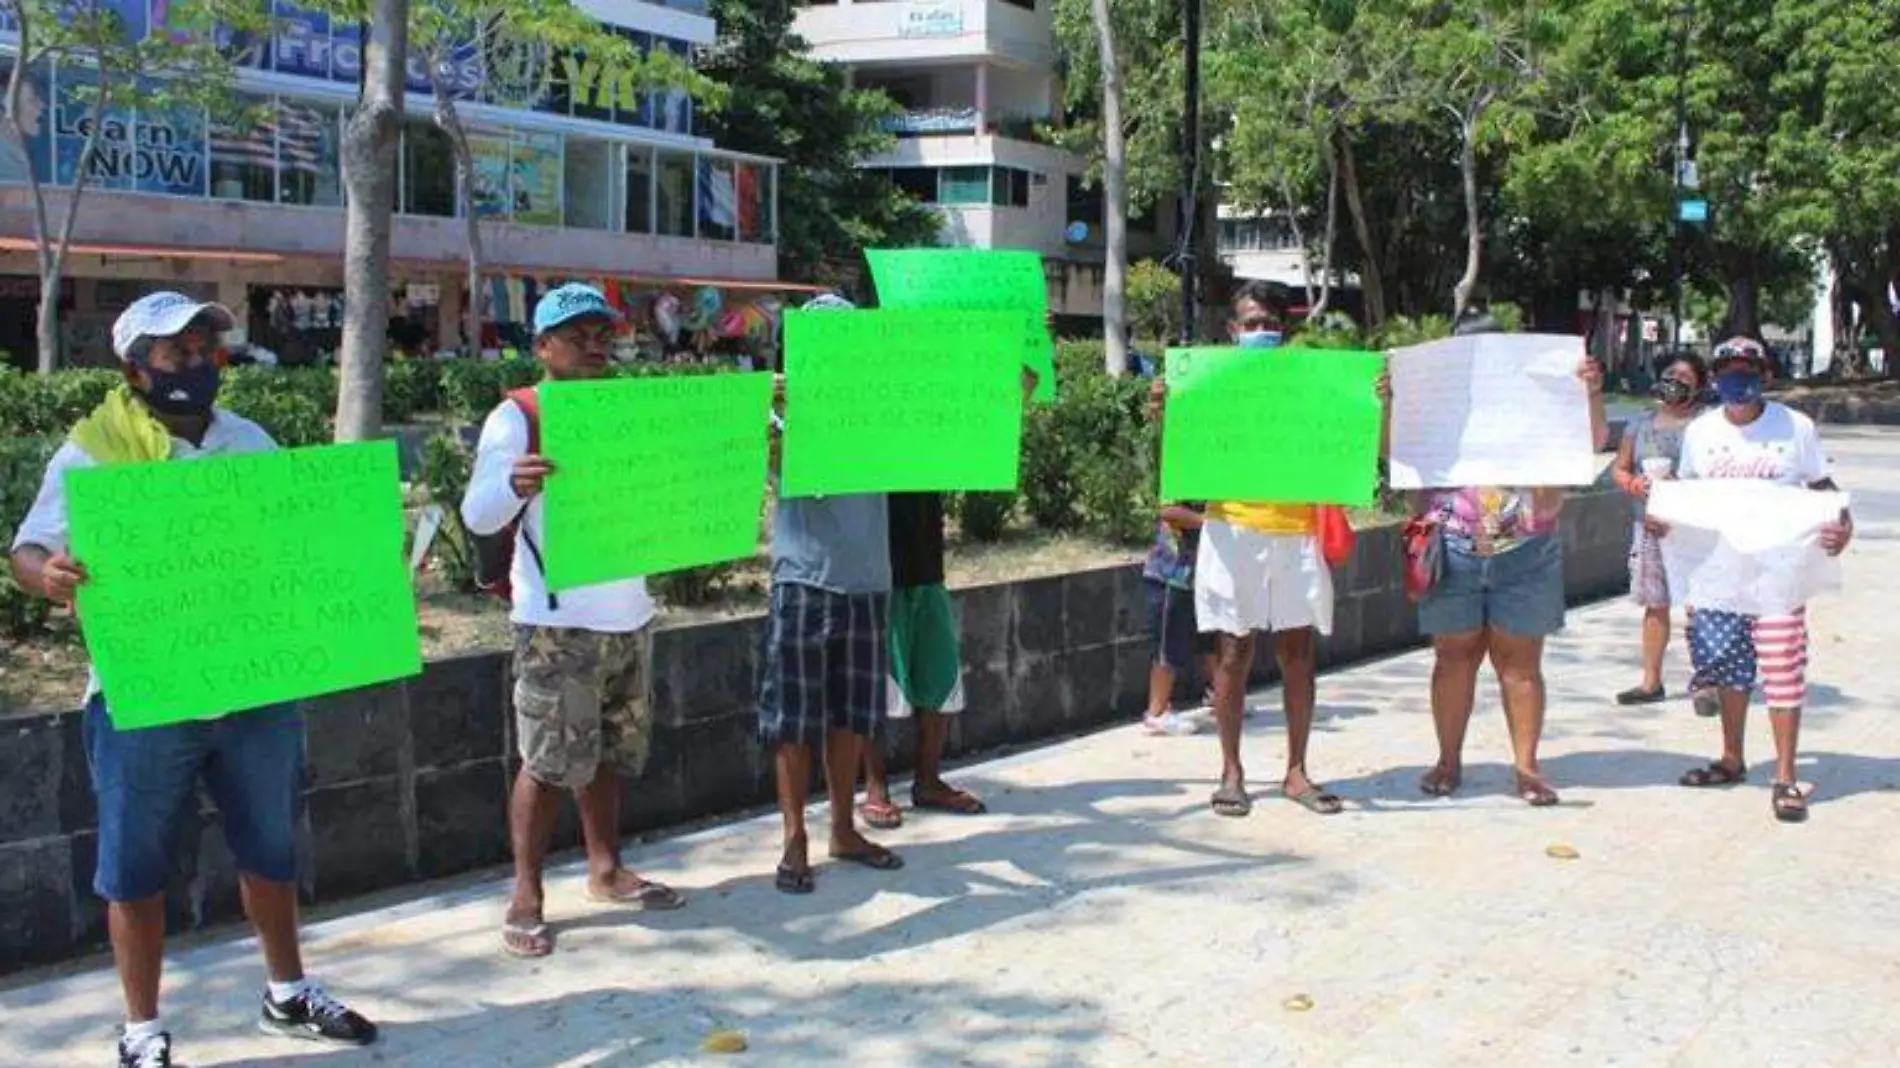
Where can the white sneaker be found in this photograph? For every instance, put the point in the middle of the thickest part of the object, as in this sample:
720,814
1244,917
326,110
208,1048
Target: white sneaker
1172,724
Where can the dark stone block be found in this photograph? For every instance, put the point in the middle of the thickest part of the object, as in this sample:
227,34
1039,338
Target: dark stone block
707,671
1088,608
30,760
1377,562
1133,659
359,734
1040,699
1038,617
1387,623
211,890
457,710
88,912
358,839
461,819
984,722
78,805
1347,642
1091,675
36,925
984,623
722,766
1132,611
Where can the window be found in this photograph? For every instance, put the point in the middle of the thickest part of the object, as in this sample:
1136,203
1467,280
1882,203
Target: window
639,198
675,186
244,152
1009,187
428,171
919,182
718,200
964,185
308,152
755,203
588,178
1085,202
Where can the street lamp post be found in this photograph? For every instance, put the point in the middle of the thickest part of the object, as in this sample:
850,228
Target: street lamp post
1191,162
1679,253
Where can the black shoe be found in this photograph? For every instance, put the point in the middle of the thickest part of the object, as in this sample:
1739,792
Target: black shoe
154,1052
1640,696
317,1017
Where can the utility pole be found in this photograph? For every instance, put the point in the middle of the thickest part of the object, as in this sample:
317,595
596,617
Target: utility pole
1679,253
1191,155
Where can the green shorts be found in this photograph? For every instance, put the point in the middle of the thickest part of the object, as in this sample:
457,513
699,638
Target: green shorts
926,664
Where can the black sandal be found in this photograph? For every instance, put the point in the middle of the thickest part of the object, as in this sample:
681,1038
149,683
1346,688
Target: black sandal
1232,800
792,881
1717,774
1790,804
1640,696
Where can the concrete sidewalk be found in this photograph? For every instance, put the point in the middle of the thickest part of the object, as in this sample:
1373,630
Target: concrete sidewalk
1104,917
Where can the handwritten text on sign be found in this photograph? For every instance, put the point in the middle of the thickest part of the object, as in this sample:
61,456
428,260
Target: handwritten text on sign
890,401
971,279
1287,425
231,583
652,474
1491,410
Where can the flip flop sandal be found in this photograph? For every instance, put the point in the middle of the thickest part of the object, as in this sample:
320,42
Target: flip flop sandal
881,817
956,802
1790,804
1640,696
1439,783
789,881
527,941
1232,800
875,859
647,897
1318,800
1717,774
1535,792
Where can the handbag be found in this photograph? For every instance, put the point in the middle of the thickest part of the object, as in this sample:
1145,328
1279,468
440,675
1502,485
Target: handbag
1423,541
1336,536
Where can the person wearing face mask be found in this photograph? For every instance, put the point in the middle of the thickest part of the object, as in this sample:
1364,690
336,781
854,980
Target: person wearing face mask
250,763
1752,437
1651,444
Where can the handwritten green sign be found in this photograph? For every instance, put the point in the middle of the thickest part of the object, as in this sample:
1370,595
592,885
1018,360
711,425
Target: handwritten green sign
883,401
1281,425
235,582
652,474
973,279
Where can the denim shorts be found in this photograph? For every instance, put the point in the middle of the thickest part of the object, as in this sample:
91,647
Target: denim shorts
1519,592
1171,624
146,782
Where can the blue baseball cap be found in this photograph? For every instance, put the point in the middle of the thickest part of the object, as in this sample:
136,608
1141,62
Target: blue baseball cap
564,304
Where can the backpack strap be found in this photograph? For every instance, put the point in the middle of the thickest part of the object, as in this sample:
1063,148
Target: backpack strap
529,402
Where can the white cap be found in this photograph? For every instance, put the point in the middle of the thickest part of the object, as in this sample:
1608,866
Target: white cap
163,315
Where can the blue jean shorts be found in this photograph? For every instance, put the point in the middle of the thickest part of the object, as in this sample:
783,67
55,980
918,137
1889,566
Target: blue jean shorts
1519,592
146,782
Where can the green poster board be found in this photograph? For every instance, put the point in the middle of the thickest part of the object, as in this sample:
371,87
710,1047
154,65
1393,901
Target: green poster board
1278,425
652,474
234,582
973,279
886,401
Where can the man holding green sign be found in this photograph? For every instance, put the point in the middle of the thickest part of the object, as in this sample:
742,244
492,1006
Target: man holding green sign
582,655
252,763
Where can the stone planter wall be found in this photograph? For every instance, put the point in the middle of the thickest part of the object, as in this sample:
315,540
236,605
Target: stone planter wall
409,781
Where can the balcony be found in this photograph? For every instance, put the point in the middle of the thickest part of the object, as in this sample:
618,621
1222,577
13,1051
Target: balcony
920,32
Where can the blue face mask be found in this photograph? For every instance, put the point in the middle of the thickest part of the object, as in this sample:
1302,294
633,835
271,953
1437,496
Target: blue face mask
1738,388
1259,339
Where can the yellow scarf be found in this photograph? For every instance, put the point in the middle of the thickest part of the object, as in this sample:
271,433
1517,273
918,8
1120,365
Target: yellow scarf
122,431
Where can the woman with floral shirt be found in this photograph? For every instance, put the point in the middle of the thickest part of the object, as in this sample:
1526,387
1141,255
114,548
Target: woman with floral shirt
1499,595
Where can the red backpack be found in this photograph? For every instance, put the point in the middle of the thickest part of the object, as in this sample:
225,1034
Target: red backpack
495,553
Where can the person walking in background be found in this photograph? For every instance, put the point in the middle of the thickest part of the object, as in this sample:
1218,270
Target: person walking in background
1750,437
1178,642
826,657
583,714
145,781
1500,594
1652,442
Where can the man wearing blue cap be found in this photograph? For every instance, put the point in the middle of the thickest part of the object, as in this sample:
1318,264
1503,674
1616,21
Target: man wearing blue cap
582,713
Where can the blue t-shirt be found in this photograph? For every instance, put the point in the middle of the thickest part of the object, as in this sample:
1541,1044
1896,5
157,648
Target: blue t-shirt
839,544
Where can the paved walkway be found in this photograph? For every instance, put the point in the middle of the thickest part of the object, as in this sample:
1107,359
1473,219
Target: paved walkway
1104,917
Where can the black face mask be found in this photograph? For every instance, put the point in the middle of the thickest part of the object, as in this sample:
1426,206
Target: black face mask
188,392
1671,391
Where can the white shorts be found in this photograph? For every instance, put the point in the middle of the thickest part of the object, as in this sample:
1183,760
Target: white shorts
1245,581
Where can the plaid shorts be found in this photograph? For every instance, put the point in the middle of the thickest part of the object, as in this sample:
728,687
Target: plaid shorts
826,664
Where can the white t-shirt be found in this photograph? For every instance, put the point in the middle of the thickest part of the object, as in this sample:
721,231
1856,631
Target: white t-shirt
1781,446
490,505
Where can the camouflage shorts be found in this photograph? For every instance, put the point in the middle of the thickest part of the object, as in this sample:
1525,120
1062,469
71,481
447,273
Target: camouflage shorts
581,701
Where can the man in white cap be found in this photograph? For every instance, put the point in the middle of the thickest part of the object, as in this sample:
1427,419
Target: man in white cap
251,763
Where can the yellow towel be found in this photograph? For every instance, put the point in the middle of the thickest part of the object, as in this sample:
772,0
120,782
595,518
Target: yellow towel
122,431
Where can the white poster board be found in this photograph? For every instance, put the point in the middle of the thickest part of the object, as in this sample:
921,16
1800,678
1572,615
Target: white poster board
1745,545
1491,410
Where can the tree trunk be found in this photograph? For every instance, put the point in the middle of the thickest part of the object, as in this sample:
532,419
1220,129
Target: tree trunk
1744,296
449,120
1291,205
1115,190
1318,307
1474,230
1371,281
369,175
